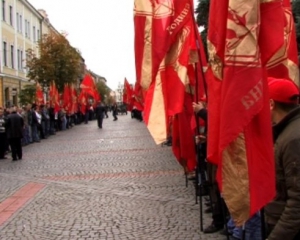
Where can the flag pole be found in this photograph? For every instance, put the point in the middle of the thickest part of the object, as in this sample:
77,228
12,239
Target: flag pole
263,223
199,171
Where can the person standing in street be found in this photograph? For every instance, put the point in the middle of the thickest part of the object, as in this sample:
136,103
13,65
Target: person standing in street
115,112
283,213
100,110
14,127
3,140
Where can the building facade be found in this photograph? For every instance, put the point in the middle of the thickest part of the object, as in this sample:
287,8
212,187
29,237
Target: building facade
21,27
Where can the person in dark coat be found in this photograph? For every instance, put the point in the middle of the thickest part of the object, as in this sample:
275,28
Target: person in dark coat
100,110
115,111
283,213
3,140
14,131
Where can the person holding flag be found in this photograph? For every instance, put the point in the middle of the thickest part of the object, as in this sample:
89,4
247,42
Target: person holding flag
283,213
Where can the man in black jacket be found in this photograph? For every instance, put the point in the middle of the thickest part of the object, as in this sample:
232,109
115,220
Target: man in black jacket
100,110
283,213
3,140
14,131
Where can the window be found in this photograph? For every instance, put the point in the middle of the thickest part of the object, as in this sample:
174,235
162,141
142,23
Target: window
12,54
3,10
11,15
38,34
19,59
17,18
28,29
26,33
21,24
34,34
4,53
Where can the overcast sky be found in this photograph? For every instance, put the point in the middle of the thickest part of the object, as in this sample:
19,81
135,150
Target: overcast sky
102,30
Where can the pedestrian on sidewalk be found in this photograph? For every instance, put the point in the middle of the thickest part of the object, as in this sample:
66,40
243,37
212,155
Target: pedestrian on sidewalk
14,127
3,139
100,110
115,111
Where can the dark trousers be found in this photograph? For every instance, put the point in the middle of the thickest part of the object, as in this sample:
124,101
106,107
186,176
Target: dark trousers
100,121
16,148
3,143
115,115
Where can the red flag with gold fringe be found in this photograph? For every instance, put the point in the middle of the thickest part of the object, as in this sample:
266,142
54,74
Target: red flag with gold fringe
164,47
239,127
54,97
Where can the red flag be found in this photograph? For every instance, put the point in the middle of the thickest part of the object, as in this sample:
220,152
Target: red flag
74,104
164,47
88,86
67,98
183,144
83,101
39,95
239,132
138,97
54,97
128,92
283,64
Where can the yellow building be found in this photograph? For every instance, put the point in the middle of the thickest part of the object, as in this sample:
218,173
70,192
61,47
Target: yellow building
22,26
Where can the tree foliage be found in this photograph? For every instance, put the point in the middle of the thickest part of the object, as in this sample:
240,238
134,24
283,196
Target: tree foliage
57,61
202,17
296,14
27,94
103,90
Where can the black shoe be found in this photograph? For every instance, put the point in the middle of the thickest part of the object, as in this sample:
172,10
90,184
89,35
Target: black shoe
212,229
14,159
3,158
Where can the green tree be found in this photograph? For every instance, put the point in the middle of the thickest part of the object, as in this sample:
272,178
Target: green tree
103,90
57,61
296,14
27,94
202,19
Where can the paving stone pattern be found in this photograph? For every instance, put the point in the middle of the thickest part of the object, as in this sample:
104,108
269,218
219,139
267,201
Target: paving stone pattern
110,183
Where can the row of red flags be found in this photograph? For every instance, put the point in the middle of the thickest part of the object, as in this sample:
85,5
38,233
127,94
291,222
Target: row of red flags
71,102
247,42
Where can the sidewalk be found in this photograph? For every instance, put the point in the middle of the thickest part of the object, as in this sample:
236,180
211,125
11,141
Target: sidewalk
90,183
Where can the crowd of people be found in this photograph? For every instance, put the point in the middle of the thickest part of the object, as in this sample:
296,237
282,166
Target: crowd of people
21,126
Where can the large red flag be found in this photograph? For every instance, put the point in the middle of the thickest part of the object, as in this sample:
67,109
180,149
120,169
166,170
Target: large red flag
83,101
39,95
67,98
88,86
74,104
128,92
164,47
239,126
54,97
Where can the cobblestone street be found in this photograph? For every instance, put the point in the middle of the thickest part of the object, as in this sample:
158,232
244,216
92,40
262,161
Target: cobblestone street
90,183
